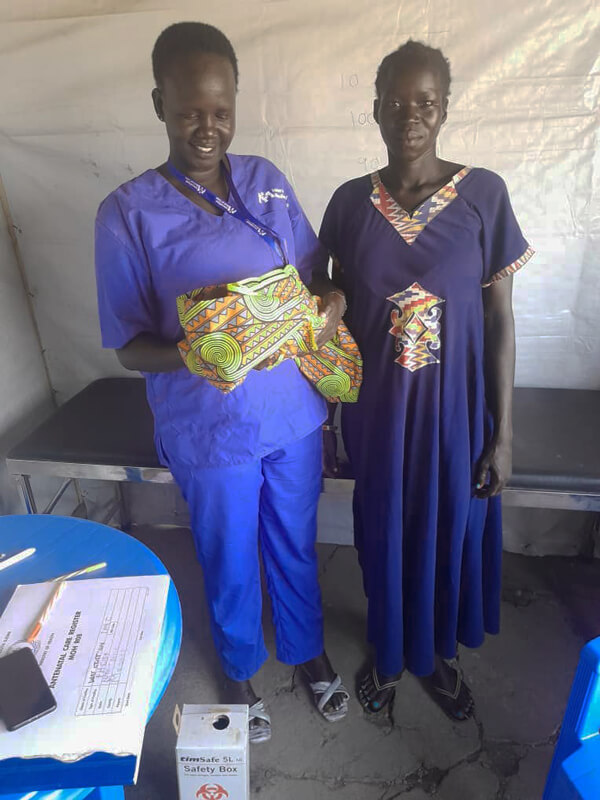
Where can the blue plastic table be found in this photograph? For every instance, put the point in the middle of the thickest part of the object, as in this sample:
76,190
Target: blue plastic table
64,544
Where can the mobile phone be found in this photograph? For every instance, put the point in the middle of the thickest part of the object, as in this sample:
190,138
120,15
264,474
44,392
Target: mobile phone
24,692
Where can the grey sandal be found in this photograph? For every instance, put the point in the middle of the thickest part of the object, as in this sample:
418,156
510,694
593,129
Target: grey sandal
323,691
259,733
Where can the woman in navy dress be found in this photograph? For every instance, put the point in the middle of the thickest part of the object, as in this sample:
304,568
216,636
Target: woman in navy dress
425,250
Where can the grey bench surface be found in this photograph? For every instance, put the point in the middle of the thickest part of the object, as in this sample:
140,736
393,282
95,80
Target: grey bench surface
106,432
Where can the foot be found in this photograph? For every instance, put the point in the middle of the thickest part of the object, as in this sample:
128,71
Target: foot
319,671
242,692
376,691
447,687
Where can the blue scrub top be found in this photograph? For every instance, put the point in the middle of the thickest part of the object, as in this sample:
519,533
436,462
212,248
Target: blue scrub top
153,244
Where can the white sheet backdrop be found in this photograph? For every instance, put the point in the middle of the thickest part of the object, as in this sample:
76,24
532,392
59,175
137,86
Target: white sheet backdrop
76,120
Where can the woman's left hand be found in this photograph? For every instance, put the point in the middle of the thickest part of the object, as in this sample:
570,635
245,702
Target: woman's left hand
496,460
332,307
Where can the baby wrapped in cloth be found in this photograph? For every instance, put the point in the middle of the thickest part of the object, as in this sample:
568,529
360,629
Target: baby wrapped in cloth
233,328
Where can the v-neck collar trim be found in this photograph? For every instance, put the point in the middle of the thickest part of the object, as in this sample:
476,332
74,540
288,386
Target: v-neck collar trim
407,225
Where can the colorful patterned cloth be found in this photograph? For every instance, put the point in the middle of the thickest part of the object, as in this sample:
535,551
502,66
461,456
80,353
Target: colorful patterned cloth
233,328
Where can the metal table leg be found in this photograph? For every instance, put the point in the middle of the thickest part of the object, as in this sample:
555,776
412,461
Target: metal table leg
27,492
123,507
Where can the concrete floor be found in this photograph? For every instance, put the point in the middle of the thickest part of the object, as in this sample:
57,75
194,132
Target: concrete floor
520,680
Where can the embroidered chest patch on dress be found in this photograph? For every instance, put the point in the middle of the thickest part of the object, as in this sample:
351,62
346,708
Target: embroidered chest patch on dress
409,227
416,327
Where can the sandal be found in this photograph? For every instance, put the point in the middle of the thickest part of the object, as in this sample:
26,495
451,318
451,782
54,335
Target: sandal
323,691
369,687
458,704
259,733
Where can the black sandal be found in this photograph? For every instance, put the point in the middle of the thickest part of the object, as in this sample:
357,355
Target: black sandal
458,704
372,695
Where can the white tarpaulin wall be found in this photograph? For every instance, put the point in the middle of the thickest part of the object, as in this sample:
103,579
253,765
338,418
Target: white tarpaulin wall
76,120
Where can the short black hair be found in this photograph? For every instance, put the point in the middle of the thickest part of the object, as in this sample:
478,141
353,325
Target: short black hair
184,38
414,54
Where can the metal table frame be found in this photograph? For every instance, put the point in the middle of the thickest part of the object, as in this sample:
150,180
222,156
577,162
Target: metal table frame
533,484
72,473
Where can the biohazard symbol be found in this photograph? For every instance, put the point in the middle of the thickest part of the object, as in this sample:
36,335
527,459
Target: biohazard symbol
211,791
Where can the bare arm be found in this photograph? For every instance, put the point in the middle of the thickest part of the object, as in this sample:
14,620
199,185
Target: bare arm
149,353
499,354
326,289
333,305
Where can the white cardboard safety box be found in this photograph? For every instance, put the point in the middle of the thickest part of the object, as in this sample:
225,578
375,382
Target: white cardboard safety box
212,752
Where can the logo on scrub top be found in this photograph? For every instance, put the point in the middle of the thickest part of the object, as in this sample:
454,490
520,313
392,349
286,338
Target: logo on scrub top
275,194
211,791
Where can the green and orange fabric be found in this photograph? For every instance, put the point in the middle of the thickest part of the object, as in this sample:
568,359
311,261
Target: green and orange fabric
232,328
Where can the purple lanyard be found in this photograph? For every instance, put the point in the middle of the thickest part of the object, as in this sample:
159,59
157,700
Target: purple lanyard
240,212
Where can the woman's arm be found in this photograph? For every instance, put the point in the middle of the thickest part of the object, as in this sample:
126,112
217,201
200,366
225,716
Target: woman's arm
332,298
332,305
499,354
325,288
149,353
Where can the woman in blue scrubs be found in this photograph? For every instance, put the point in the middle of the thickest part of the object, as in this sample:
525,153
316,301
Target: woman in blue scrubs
249,462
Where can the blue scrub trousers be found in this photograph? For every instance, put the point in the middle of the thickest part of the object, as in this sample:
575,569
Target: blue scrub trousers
271,503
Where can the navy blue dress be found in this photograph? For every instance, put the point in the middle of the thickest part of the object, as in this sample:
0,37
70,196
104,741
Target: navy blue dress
430,550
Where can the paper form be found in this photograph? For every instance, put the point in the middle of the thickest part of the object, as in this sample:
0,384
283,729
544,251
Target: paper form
105,688
98,653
